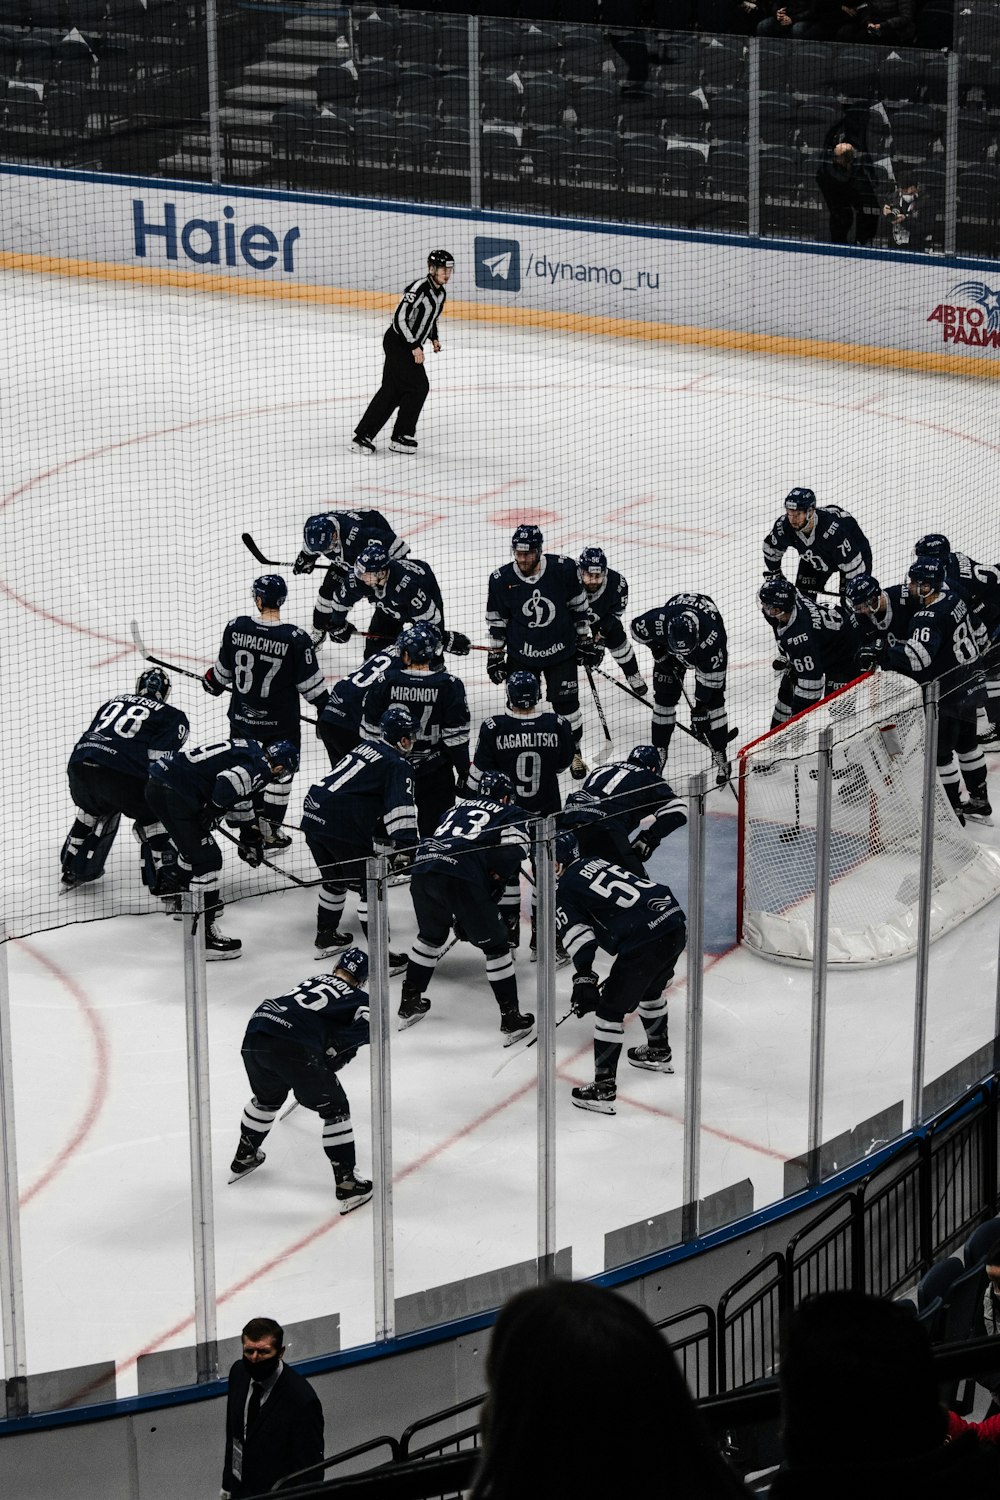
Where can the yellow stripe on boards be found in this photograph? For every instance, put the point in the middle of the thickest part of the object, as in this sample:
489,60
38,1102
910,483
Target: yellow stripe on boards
512,316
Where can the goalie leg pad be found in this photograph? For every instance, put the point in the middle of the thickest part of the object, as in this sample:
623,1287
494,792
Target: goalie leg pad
85,851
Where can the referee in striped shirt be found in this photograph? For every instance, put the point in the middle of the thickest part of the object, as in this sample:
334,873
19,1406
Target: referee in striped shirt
404,379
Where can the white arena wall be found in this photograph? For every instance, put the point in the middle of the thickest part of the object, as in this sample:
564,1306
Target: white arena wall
729,292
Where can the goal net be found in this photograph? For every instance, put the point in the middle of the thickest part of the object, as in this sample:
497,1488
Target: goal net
874,866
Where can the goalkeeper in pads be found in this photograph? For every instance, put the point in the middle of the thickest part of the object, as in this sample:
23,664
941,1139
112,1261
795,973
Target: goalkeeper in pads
603,905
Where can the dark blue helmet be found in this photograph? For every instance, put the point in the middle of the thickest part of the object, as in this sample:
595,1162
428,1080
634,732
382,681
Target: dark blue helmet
396,725
153,683
863,591
593,564
354,961
927,571
800,499
683,632
372,564
284,759
270,590
646,756
527,539
523,690
421,642
777,596
566,848
934,544
496,786
321,534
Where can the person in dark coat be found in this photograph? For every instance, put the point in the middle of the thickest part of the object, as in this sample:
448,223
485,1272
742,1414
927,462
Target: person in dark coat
849,193
274,1420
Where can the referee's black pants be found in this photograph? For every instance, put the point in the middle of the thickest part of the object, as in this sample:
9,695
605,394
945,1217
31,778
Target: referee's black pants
404,384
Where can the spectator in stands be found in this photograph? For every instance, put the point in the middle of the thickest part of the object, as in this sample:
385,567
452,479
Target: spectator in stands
860,1409
849,193
991,1323
909,218
891,22
586,1398
274,1420
793,18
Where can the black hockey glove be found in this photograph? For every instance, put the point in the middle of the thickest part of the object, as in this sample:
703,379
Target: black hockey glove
586,992
643,846
304,563
871,653
251,846
456,643
210,683
317,637
589,653
700,724
341,633
496,667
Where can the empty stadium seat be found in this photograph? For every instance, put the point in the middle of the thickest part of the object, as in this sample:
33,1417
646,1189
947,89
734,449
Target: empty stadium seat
292,130
419,89
333,135
453,90
501,97
814,123
980,1242
499,42
448,148
500,154
546,96
684,115
376,35
379,85
721,62
854,72
938,1281
551,152
644,163
729,115
596,158
685,169
336,83
915,130
977,131
375,137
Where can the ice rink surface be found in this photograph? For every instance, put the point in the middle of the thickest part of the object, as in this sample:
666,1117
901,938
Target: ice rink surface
143,432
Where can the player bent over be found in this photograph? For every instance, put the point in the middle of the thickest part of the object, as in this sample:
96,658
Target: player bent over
339,725
340,536
107,771
268,664
368,796
191,791
606,813
607,600
404,593
458,877
599,904
819,646
298,1043
687,632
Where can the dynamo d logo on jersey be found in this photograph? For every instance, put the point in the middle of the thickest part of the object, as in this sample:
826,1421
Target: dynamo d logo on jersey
970,316
498,265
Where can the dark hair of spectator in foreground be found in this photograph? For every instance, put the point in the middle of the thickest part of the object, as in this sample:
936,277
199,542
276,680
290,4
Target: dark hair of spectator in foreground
993,1255
586,1397
846,1356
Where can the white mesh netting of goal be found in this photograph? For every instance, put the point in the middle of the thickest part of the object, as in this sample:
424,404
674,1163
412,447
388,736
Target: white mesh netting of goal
877,801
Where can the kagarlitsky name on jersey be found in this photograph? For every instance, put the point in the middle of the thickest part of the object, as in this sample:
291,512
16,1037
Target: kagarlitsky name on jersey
530,740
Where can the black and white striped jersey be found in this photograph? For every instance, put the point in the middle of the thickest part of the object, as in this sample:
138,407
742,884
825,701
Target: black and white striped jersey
420,307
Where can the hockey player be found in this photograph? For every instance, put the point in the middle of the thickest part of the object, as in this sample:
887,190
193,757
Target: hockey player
538,621
440,713
944,642
404,378
339,725
107,771
268,664
607,600
599,904
368,796
827,539
192,790
687,632
606,813
458,876
530,745
819,645
342,535
979,585
883,616
298,1043
404,593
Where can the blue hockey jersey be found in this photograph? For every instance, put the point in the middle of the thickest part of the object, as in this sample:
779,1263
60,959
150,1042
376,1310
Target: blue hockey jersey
709,659
368,793
355,529
129,733
439,708
411,593
323,1014
482,842
944,641
218,778
268,666
820,641
538,620
834,543
531,748
609,602
627,795
599,904
345,706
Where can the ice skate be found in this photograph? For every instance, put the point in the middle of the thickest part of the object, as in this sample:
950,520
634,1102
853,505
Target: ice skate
653,1059
362,445
598,1096
247,1159
330,942
403,444
217,945
412,1007
514,1026
352,1192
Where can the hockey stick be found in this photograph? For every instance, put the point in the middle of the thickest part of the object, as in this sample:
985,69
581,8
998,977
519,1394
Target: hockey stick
716,755
530,1043
295,879
598,705
170,666
272,562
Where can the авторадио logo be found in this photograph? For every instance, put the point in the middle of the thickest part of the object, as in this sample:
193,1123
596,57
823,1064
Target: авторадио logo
978,324
498,265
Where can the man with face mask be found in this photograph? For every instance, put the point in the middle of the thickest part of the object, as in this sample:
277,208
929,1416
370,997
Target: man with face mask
274,1420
